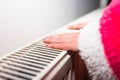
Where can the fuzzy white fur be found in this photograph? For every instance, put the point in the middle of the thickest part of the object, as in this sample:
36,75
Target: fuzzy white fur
91,51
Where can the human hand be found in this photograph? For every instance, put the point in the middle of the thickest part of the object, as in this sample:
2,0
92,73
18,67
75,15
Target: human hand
66,41
78,26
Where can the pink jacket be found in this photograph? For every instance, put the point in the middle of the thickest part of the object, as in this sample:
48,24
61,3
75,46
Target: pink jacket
110,31
99,44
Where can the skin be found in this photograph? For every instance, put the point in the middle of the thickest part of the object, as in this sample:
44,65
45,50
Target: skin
66,41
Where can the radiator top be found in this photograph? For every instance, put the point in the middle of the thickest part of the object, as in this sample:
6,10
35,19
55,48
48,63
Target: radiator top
32,62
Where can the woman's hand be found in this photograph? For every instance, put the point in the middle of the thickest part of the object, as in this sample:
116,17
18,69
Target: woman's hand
66,41
78,26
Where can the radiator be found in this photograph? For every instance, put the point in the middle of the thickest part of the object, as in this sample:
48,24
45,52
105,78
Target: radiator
36,62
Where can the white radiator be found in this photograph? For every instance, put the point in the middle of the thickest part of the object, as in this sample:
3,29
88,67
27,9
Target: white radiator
34,62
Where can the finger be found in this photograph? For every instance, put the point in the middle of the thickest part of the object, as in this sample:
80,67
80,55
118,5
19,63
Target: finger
48,39
74,27
57,46
63,46
61,38
55,38
52,40
67,35
78,26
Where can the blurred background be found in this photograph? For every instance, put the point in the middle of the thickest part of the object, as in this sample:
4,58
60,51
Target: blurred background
24,21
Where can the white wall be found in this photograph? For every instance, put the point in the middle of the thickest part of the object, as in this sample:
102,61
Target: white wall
22,21
103,3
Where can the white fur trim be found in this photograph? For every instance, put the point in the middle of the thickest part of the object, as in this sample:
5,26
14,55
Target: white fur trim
91,51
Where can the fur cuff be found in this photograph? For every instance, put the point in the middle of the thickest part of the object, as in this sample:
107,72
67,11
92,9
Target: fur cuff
91,51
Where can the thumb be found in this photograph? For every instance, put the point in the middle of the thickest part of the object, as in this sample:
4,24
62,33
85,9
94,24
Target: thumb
78,26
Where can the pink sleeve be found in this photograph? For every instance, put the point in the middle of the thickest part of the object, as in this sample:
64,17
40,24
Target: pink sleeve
110,31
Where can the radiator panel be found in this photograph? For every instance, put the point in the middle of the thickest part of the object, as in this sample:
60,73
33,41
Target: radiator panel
32,62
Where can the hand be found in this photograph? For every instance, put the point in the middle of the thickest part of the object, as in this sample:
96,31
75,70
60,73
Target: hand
67,41
78,26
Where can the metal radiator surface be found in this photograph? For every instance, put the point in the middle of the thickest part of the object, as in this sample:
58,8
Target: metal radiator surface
33,62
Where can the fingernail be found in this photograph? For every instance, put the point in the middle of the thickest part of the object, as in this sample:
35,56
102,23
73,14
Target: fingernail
43,40
48,45
45,45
